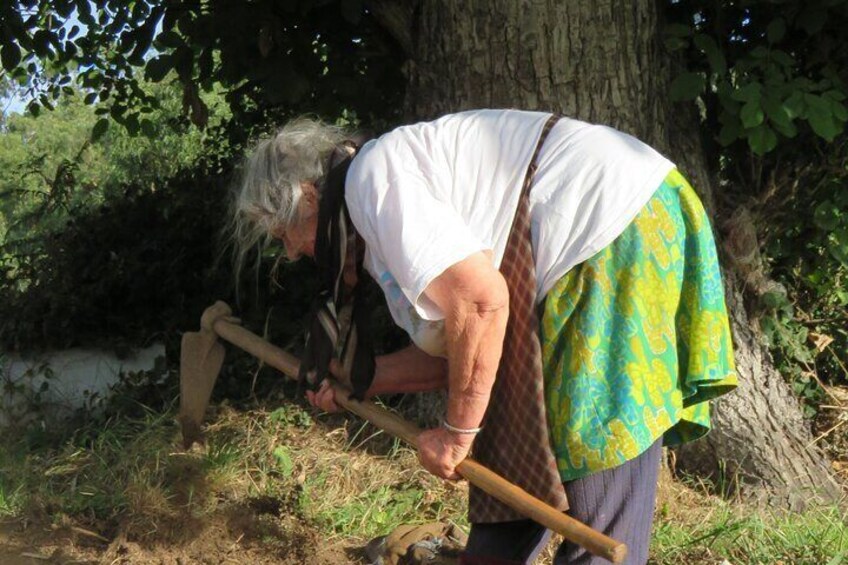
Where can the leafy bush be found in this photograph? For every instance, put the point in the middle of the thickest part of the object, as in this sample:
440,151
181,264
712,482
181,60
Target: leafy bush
132,267
769,80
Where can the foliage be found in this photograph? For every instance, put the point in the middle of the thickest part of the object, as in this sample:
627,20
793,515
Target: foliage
81,255
49,164
300,55
328,57
765,67
770,79
119,270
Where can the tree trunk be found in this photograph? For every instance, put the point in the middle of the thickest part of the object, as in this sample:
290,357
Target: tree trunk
603,62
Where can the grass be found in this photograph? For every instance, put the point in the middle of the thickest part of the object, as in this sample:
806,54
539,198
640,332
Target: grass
335,476
129,474
695,527
9,501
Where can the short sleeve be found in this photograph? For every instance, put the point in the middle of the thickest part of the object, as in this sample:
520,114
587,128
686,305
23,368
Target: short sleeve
413,232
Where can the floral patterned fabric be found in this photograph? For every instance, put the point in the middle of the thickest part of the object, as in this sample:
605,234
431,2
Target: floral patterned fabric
636,340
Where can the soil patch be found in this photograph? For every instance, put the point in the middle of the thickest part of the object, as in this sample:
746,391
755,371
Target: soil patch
236,535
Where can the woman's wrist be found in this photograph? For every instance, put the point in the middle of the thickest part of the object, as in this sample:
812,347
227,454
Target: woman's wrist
461,431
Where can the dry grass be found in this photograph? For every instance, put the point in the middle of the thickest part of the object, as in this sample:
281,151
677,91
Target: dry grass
281,475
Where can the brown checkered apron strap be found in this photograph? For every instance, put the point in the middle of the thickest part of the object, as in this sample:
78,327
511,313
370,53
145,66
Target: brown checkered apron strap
515,441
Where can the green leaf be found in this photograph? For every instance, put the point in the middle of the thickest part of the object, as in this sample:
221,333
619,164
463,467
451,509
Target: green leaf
795,105
760,52
749,92
63,7
838,245
774,299
834,94
41,43
839,110
99,129
84,12
10,55
132,125
282,457
752,114
839,195
148,129
158,67
762,139
821,117
789,130
826,216
779,116
90,98
170,39
687,86
782,58
710,48
776,30
840,236
675,43
769,328
183,61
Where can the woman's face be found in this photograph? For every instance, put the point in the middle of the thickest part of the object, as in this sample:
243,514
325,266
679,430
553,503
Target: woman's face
299,239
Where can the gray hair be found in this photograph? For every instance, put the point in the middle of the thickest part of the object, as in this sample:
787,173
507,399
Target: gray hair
269,193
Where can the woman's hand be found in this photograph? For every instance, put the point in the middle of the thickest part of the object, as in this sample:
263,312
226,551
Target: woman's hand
325,397
440,451
404,371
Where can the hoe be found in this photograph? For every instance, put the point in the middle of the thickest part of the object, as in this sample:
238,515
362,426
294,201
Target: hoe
202,355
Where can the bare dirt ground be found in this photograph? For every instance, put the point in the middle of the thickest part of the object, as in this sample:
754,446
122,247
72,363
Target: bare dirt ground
236,536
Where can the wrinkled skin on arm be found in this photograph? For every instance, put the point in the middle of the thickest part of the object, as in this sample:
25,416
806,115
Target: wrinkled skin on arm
474,298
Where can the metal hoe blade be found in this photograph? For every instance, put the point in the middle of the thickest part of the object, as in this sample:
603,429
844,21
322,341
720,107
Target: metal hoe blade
201,358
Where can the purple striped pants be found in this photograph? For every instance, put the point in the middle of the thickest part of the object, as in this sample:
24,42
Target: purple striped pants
618,502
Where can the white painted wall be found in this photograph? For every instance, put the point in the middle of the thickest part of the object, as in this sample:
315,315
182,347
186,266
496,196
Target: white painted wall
76,374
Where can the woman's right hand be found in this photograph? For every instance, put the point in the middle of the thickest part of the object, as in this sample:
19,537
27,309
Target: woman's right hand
324,398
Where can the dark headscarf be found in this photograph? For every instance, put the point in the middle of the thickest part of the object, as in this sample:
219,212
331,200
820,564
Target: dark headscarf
340,317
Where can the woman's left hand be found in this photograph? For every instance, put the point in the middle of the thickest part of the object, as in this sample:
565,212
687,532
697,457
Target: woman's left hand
440,451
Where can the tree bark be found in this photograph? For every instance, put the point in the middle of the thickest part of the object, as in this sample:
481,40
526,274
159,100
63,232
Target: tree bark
603,62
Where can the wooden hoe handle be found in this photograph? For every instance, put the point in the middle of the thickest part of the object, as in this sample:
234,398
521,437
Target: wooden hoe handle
475,473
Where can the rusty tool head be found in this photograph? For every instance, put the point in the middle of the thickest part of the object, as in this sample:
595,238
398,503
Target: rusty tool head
201,357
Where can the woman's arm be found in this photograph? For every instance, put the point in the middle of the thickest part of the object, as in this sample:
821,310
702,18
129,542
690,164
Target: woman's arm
406,370
475,299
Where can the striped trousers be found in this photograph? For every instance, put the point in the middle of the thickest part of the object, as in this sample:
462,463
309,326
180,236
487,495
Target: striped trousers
618,502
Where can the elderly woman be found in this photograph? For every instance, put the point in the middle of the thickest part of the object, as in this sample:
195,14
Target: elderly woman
558,278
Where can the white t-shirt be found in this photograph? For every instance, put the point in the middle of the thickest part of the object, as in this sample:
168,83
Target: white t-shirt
428,195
